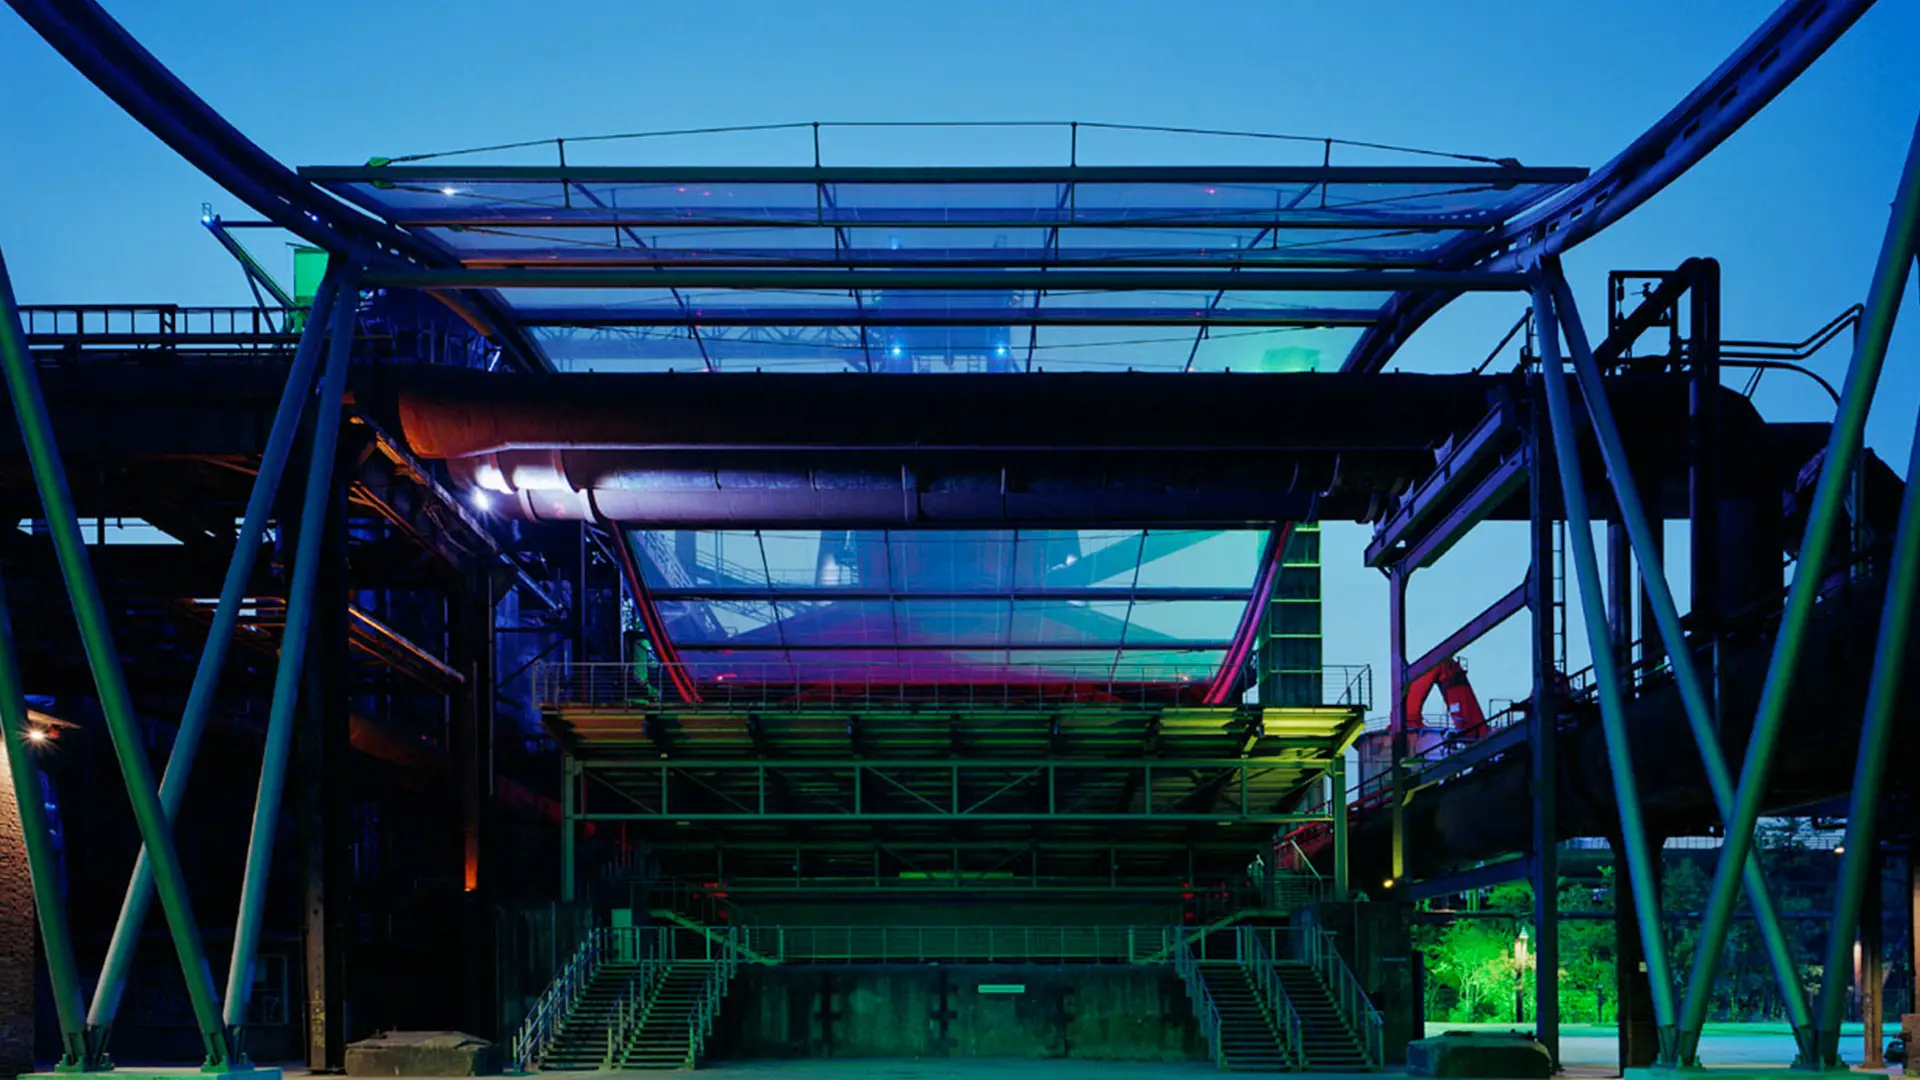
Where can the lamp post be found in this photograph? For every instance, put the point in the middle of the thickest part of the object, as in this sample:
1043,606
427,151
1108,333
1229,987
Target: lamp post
1520,976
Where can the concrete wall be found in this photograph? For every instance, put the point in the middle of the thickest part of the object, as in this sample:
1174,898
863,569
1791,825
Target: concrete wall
17,935
1120,1013
1375,940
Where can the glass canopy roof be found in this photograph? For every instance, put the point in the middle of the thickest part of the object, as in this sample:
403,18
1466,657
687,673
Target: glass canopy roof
932,269
1144,228
932,607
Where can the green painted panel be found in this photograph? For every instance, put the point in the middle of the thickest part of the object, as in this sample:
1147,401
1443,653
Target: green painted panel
309,266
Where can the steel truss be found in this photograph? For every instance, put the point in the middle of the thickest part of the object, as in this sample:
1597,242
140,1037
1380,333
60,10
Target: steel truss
945,790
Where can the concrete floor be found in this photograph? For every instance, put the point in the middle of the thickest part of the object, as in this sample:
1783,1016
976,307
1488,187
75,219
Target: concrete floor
1587,1051
1593,1049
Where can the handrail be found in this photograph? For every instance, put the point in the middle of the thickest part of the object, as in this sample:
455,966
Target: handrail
719,979
1204,1009
1345,986
923,944
638,998
631,1008
543,1022
1259,964
802,685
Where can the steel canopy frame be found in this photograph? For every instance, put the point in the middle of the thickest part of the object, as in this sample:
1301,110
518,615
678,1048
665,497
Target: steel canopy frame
1791,39
101,50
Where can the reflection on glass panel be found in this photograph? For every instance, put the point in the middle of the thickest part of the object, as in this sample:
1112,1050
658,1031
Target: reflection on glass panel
841,622
1184,620
1071,622
955,622
952,561
1071,559
703,622
1175,558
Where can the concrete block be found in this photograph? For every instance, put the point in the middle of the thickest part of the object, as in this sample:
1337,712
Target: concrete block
423,1053
1488,1055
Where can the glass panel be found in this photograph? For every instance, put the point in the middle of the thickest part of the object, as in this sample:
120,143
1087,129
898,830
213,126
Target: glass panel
960,562
956,623
1071,622
1175,558
1170,621
841,622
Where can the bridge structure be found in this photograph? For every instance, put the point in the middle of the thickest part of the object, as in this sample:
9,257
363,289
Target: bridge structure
743,542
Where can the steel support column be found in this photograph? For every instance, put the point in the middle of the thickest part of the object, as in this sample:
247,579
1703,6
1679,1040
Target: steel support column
1708,557
1897,615
1694,697
1593,603
569,823
1703,451
213,655
116,704
1639,1032
325,762
470,647
1871,978
1337,807
1620,602
1543,864
63,974
1843,452
1401,714
293,644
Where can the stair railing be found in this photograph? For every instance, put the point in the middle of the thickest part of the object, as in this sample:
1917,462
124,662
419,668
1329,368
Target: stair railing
1266,980
713,991
543,1021
1347,993
630,1009
1180,947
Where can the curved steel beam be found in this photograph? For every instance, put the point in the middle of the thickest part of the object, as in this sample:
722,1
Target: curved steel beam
1791,39
101,49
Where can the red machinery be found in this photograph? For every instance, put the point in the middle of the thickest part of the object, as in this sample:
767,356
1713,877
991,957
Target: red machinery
1463,709
1466,722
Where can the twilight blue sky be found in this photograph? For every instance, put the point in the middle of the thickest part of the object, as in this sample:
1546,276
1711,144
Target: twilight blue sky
92,208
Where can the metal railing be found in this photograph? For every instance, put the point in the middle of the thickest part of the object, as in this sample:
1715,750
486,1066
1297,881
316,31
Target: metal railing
630,1010
158,326
1295,885
1355,683
803,684
543,1021
1316,947
1204,1010
953,944
1258,961
712,992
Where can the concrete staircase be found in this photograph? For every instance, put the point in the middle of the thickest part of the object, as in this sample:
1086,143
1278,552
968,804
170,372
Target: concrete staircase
581,1040
662,1040
1250,1041
1329,1042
